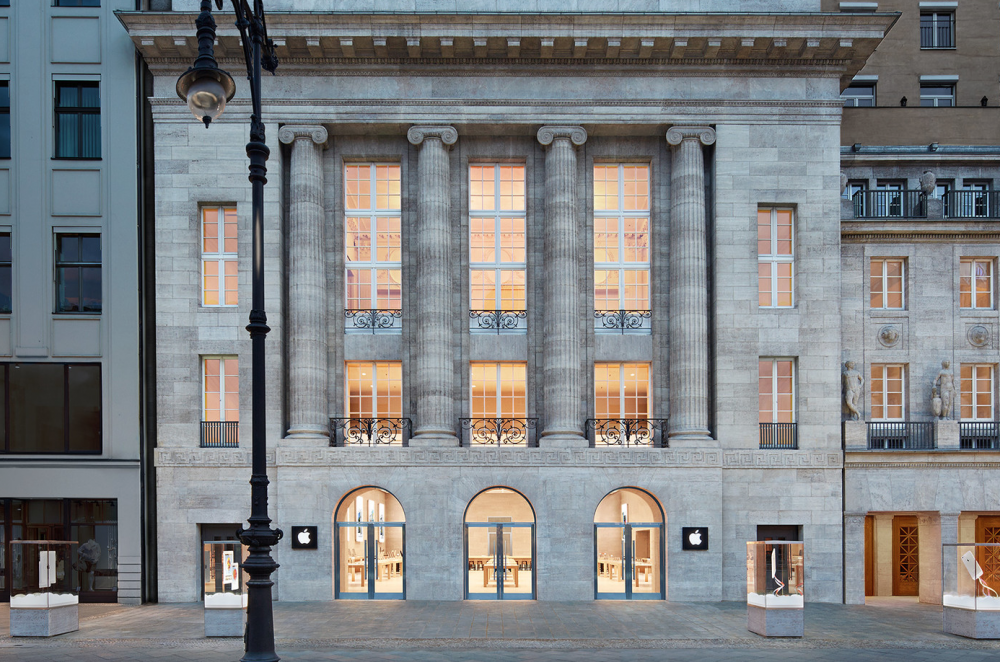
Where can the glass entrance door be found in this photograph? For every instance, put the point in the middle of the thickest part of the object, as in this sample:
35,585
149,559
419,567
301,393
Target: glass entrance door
500,561
627,563
370,560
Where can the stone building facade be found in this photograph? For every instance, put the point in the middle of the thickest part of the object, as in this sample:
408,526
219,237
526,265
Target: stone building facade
730,116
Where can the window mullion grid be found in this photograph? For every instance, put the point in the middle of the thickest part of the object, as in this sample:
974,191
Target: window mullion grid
621,390
774,390
373,413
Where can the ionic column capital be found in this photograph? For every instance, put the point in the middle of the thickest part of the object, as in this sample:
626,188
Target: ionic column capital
290,133
677,134
447,134
575,134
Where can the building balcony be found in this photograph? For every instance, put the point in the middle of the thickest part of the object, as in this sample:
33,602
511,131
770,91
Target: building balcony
373,320
359,431
972,204
498,321
889,204
625,432
220,434
622,321
499,432
901,435
979,435
779,436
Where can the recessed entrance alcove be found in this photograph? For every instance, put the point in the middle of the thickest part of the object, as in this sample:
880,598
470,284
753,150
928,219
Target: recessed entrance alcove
369,546
629,561
500,546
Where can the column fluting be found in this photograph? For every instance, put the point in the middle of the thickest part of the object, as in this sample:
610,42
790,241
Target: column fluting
307,307
689,395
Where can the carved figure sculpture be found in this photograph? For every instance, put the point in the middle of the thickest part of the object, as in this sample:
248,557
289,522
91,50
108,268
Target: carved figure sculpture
928,182
935,402
945,383
854,385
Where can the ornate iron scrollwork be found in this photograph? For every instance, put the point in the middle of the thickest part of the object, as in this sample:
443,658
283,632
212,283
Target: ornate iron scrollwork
628,431
623,320
499,431
369,431
498,320
372,318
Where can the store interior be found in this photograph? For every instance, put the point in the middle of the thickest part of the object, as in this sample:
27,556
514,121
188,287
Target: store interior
635,507
361,546
509,509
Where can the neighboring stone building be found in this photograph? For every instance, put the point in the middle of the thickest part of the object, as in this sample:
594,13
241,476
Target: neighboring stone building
497,227
921,162
70,353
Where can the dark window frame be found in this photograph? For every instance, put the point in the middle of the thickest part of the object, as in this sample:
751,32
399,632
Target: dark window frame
859,86
5,368
79,264
79,111
930,34
5,120
7,263
935,98
77,3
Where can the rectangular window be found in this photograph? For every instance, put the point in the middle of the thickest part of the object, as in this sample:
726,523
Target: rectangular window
222,388
78,3
976,283
78,273
498,390
621,238
859,95
496,237
937,30
886,279
888,394
937,95
219,256
6,269
621,390
50,407
372,236
375,390
977,392
775,257
4,119
776,390
78,120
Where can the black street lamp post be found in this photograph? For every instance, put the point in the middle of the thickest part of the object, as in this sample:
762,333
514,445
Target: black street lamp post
206,88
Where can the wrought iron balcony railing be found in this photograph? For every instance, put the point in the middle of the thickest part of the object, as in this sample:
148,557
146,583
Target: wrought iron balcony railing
901,435
972,204
220,434
622,321
369,431
498,431
498,321
373,320
627,432
979,435
890,204
779,435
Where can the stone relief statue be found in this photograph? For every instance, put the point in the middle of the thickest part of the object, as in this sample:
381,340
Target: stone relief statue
945,385
854,385
928,182
843,181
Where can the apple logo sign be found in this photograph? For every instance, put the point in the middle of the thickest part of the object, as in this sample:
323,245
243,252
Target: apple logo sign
694,538
304,537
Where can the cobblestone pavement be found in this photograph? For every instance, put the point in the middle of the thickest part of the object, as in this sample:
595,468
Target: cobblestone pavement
886,631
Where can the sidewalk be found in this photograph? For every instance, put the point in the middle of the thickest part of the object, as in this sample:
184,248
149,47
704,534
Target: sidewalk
579,631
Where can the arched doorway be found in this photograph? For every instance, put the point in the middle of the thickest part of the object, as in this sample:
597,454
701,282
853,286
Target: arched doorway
629,547
499,546
369,546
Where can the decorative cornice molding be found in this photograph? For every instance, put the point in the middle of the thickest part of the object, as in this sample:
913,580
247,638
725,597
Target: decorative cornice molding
289,133
678,134
417,134
930,464
575,134
859,237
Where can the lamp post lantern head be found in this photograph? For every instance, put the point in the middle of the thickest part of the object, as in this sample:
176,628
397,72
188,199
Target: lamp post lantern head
204,86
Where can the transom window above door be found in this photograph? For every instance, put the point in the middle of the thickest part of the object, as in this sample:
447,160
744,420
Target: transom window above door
372,245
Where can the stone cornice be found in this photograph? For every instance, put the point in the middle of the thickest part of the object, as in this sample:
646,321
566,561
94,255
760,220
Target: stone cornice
958,232
290,132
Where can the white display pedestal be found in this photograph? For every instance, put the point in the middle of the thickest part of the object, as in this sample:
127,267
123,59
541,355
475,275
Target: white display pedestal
972,623
225,622
44,622
775,622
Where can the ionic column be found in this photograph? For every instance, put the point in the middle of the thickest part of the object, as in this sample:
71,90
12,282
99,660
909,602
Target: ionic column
434,374
562,345
688,286
307,309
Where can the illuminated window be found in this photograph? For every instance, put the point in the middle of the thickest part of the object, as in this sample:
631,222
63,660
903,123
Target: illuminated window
887,283
977,392
621,390
776,390
222,388
888,396
375,390
497,238
621,238
219,256
775,257
976,286
498,390
372,237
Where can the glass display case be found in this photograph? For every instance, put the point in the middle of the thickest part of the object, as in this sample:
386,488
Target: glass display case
970,589
43,599
223,578
775,587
